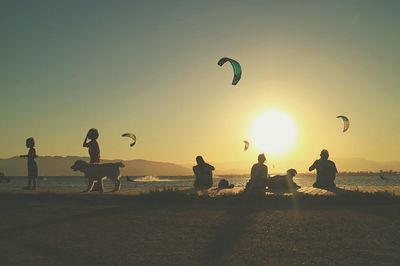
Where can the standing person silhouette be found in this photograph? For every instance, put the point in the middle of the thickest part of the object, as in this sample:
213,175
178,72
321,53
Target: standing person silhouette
326,171
92,145
203,174
94,152
259,175
32,165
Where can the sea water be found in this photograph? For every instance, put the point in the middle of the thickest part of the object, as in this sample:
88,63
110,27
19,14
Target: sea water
187,181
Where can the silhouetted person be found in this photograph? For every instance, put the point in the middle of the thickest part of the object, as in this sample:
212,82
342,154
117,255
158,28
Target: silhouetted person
326,171
92,145
32,165
259,174
94,153
203,174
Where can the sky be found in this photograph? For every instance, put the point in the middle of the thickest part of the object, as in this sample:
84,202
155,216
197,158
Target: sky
150,67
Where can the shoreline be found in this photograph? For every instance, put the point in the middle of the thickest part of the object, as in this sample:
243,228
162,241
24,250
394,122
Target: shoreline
134,190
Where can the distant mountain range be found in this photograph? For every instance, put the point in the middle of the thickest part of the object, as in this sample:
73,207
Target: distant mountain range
342,164
60,166
359,164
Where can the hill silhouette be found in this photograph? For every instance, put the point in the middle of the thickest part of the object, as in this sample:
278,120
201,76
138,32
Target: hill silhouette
343,165
60,166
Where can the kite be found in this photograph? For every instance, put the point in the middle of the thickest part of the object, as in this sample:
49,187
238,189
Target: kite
383,177
237,70
346,122
246,145
132,136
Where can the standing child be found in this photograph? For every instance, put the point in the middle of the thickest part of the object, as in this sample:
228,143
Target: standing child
94,153
92,145
32,166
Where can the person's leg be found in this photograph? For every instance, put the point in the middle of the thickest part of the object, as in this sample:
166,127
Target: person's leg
34,183
29,182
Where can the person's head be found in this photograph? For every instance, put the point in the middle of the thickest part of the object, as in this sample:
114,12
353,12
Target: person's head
261,158
30,142
93,134
291,173
324,154
200,160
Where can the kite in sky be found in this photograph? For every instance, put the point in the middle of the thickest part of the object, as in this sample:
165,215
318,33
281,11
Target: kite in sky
237,70
132,136
346,122
246,145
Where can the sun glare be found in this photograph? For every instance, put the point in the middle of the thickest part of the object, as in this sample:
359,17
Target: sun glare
273,132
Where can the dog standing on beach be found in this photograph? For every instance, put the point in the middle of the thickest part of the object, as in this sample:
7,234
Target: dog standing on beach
98,172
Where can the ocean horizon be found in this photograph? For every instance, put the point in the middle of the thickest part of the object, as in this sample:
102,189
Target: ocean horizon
187,181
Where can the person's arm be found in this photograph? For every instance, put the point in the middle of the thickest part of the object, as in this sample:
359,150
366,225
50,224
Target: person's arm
252,172
334,166
313,166
23,156
212,168
85,143
195,171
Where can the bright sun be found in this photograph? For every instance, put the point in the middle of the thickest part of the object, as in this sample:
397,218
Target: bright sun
273,132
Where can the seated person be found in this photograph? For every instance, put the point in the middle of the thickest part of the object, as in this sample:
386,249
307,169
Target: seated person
283,182
203,174
258,178
326,171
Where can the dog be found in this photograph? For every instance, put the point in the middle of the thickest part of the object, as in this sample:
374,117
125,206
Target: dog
283,182
98,172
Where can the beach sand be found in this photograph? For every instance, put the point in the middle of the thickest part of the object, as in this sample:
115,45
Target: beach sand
72,228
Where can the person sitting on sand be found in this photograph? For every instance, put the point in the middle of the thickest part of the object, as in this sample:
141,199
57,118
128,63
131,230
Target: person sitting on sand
203,174
32,165
259,175
326,171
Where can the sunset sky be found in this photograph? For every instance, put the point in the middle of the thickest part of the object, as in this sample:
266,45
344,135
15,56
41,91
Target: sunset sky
150,67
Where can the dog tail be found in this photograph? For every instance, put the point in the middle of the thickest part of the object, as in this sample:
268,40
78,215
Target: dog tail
120,164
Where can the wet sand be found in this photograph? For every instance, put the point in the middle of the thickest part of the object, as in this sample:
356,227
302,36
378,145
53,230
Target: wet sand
67,227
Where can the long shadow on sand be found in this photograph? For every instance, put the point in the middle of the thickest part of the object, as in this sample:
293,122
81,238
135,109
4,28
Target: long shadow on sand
221,245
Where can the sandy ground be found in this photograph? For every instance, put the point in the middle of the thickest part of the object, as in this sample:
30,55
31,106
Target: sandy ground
71,228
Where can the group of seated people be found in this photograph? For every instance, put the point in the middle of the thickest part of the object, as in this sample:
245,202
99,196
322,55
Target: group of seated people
260,181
